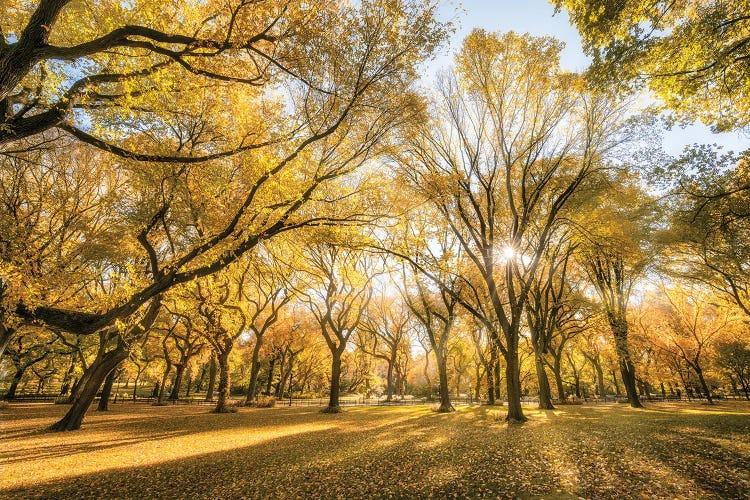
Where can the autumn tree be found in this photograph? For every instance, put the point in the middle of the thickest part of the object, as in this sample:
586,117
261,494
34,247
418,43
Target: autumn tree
692,55
385,334
336,284
512,137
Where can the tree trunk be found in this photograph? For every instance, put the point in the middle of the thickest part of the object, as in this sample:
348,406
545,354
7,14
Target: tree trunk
254,370
333,399
704,385
614,381
599,377
513,384
68,376
107,390
426,373
221,402
135,384
389,381
97,372
496,383
627,370
164,378
545,394
490,374
211,379
14,383
269,380
178,374
445,396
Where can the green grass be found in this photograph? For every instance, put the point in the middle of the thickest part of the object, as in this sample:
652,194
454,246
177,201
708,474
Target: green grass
140,451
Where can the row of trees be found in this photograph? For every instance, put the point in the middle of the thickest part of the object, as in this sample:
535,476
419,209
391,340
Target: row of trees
189,191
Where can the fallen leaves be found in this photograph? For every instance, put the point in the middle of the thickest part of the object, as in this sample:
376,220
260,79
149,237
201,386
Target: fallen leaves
610,451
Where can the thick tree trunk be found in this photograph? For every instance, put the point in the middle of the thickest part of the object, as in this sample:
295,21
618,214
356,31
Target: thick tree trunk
97,372
224,382
389,381
545,394
174,395
334,405
107,390
627,370
513,384
445,396
211,379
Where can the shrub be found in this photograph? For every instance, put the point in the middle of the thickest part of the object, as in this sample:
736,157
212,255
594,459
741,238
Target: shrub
4,405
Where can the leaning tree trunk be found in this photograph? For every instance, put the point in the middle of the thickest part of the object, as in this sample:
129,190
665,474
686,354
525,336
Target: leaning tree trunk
97,372
445,396
627,369
211,379
513,384
334,405
545,394
107,390
224,382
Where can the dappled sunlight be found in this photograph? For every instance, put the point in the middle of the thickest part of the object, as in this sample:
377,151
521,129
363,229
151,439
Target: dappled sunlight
583,451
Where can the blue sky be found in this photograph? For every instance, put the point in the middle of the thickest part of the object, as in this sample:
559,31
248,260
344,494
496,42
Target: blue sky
536,17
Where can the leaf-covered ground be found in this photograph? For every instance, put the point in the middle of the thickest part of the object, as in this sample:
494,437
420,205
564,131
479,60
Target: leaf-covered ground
139,451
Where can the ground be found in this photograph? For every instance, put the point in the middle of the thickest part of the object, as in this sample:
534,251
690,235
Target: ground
606,451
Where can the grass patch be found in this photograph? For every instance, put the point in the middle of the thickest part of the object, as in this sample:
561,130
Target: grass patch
606,451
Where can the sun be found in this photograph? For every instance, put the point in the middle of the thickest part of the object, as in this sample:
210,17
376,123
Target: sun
509,252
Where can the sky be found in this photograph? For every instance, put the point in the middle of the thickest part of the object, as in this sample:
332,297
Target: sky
537,17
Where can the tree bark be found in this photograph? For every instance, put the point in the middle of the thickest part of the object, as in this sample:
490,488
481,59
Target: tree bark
627,370
97,372
704,385
389,381
254,370
224,382
513,384
445,396
174,395
334,405
491,377
107,390
545,394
